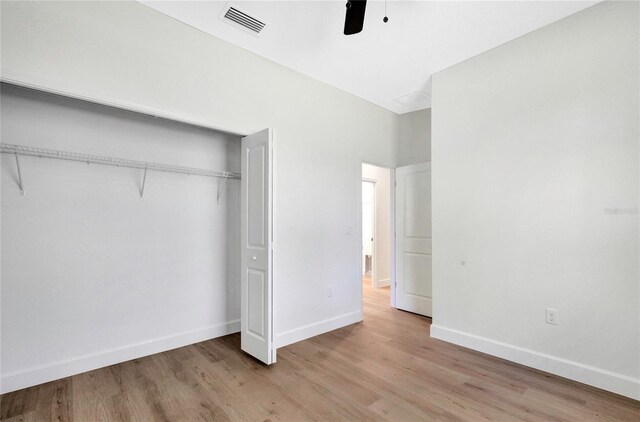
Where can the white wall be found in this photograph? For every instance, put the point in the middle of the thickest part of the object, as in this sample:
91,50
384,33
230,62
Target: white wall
382,236
92,274
535,147
128,52
414,138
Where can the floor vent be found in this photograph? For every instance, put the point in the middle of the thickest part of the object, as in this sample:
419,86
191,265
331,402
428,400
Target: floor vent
241,19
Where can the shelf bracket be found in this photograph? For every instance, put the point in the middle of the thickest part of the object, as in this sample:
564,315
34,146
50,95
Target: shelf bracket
222,186
20,183
144,181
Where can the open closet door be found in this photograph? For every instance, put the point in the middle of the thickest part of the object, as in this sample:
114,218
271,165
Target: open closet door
257,257
413,238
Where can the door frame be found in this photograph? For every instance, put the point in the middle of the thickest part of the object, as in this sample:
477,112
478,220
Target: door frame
392,214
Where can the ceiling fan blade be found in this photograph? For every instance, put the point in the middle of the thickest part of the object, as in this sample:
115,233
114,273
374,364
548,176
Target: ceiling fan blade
354,20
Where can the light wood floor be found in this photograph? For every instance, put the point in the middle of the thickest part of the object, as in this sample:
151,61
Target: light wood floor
385,368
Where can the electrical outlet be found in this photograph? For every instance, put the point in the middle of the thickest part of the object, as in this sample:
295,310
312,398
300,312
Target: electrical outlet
552,316
329,291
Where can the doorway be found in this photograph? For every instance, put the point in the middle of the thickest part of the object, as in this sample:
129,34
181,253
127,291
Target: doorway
376,232
368,227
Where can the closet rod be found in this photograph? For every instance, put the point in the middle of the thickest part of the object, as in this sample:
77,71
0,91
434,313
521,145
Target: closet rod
111,161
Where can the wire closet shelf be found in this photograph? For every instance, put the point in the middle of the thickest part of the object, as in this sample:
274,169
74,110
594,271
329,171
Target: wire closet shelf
112,161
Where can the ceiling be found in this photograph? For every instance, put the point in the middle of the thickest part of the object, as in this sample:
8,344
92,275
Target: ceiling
386,60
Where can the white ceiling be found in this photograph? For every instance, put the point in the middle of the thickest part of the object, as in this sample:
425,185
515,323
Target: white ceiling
384,61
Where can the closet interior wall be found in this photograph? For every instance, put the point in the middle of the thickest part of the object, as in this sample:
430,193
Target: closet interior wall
91,273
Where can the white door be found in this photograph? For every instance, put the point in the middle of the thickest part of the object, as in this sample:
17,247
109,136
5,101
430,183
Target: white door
257,257
413,238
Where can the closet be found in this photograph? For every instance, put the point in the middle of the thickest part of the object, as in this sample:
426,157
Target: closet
122,236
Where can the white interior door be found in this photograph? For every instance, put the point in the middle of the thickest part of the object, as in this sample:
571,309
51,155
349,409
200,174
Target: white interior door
413,238
257,254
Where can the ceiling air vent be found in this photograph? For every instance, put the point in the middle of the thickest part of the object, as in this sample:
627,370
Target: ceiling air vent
414,97
241,19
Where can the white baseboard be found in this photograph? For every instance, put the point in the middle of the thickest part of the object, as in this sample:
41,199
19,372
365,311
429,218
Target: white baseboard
317,328
596,377
44,373
383,283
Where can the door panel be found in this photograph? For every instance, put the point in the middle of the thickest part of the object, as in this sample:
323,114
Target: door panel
256,169
256,298
257,256
415,267
413,239
416,205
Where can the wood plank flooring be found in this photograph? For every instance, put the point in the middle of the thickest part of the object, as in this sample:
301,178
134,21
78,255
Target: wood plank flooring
385,368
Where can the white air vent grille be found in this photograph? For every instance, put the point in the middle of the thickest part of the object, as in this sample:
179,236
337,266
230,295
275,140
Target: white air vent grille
241,19
414,97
